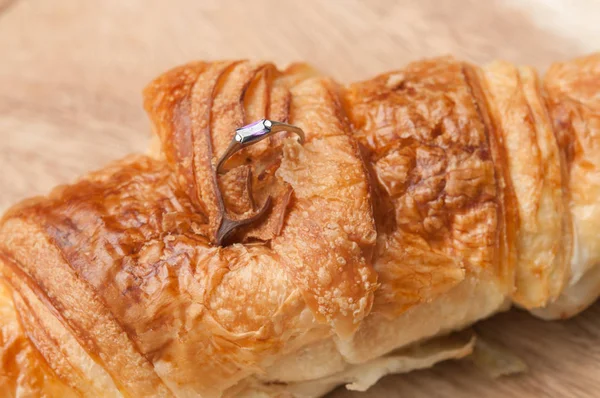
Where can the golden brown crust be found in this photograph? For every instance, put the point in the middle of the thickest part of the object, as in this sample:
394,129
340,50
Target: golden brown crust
534,168
572,95
23,368
130,239
574,106
133,243
507,212
417,197
41,254
438,200
330,230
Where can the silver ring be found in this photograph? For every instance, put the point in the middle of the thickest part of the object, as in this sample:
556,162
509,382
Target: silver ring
253,133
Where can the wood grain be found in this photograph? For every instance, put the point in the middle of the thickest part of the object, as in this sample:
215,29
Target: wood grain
72,72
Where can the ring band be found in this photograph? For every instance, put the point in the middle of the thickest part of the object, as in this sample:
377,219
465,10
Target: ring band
253,133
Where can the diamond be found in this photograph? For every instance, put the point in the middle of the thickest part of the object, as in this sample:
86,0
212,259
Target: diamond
253,132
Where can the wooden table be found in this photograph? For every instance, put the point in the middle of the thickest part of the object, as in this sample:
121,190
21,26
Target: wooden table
71,73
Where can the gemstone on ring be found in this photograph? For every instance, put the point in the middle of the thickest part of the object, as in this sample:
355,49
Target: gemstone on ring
253,131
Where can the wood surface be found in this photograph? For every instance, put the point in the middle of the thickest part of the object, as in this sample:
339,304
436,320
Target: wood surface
71,73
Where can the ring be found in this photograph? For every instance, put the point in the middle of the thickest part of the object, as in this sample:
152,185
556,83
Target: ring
253,133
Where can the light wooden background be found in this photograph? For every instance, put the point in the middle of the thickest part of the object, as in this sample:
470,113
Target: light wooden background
71,72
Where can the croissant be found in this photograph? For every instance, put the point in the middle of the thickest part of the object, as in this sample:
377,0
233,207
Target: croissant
422,201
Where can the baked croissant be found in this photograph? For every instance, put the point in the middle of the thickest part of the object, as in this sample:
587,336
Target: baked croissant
423,200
